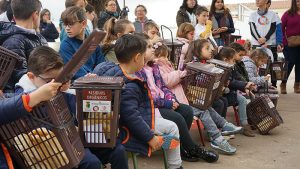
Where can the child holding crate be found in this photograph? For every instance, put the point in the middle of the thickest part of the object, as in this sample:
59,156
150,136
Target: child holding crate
210,118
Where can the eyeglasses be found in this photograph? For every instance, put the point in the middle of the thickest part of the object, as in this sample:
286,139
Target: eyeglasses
47,80
112,5
70,25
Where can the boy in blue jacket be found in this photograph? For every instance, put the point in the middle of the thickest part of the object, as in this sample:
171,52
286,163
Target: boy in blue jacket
75,22
43,66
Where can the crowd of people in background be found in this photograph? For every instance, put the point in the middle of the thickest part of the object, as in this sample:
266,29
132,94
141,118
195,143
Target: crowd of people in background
154,108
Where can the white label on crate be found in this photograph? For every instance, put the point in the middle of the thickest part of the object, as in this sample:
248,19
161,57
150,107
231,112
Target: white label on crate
94,133
276,68
271,104
96,106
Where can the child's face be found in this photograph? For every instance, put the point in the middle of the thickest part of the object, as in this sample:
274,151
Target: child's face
40,80
75,29
206,52
81,3
152,33
219,4
238,57
260,62
149,54
230,61
203,17
190,36
242,53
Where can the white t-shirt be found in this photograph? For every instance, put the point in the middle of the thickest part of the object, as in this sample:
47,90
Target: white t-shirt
3,17
192,18
263,25
199,28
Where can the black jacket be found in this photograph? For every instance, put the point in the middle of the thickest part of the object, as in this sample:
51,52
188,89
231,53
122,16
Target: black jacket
49,31
22,42
105,16
182,16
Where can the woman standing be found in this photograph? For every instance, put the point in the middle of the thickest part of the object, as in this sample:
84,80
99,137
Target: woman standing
47,28
110,11
186,12
291,41
141,19
222,22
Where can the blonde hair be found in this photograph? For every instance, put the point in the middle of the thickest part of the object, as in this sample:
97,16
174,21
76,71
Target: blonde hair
149,25
184,29
259,54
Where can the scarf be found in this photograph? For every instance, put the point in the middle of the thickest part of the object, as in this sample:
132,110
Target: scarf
262,12
219,19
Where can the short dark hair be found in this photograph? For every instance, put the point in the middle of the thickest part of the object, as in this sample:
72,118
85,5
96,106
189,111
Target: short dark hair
89,8
225,53
73,14
44,59
237,47
201,9
128,46
70,3
23,9
143,6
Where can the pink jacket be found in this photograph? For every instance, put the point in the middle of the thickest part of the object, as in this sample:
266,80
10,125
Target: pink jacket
183,52
172,79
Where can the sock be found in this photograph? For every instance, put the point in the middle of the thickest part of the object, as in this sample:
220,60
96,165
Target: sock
244,122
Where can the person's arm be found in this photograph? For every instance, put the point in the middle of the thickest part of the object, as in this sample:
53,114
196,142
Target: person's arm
171,79
254,32
179,18
271,31
100,56
50,31
283,27
253,74
231,28
279,34
130,113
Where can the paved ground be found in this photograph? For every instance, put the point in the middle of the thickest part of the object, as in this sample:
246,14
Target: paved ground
279,150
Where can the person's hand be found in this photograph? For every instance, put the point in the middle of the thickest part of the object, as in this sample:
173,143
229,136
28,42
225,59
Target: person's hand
1,94
279,48
208,22
262,40
65,86
267,77
154,143
216,31
250,86
44,93
175,105
48,21
224,29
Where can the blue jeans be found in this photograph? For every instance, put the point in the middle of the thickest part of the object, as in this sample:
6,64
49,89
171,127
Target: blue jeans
242,108
219,41
89,161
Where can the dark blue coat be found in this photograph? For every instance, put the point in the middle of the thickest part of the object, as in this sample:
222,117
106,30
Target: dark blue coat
21,42
136,110
49,31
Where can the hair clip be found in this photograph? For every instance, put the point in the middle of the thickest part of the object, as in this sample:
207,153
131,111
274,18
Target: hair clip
157,45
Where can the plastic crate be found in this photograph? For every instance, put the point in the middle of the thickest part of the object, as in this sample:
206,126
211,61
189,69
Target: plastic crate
174,45
201,85
279,70
8,60
45,138
263,115
98,105
227,70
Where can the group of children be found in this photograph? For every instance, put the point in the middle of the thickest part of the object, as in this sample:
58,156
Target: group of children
154,111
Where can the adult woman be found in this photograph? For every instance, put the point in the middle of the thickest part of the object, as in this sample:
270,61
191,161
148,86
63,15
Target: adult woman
47,28
141,19
222,22
291,29
110,11
186,12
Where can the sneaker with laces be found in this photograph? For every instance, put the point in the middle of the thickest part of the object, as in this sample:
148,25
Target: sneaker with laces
230,129
223,147
168,141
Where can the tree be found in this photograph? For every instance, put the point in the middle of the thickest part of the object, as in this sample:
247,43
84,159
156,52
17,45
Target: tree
99,5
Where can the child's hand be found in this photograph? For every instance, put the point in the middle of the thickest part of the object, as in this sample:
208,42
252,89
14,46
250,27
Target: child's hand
175,105
208,22
154,143
267,77
65,86
279,48
251,86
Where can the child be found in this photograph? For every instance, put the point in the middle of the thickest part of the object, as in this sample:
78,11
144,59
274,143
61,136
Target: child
257,58
234,98
239,64
185,34
204,26
47,28
115,29
210,118
152,30
22,38
44,65
137,113
75,22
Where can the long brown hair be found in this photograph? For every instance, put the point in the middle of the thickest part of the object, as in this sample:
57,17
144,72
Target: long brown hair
213,8
259,54
195,48
294,9
184,29
225,53
43,13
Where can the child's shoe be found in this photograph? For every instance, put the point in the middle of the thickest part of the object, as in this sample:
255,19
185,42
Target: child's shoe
223,147
186,156
207,155
248,131
168,141
229,129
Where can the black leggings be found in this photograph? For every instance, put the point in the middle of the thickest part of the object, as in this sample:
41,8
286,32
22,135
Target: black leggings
291,54
183,117
220,106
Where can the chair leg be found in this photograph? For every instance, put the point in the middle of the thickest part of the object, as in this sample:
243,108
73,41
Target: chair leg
165,159
200,131
134,160
236,115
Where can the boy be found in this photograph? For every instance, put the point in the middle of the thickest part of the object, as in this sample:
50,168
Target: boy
22,38
69,3
137,124
75,22
44,65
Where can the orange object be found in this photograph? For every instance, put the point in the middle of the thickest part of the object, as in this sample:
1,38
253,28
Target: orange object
7,157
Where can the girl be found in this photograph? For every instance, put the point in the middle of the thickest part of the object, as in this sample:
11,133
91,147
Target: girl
234,98
115,29
186,12
47,28
222,23
171,109
210,117
185,34
152,30
257,58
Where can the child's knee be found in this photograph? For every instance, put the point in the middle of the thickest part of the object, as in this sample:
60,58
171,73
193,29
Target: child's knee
89,161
